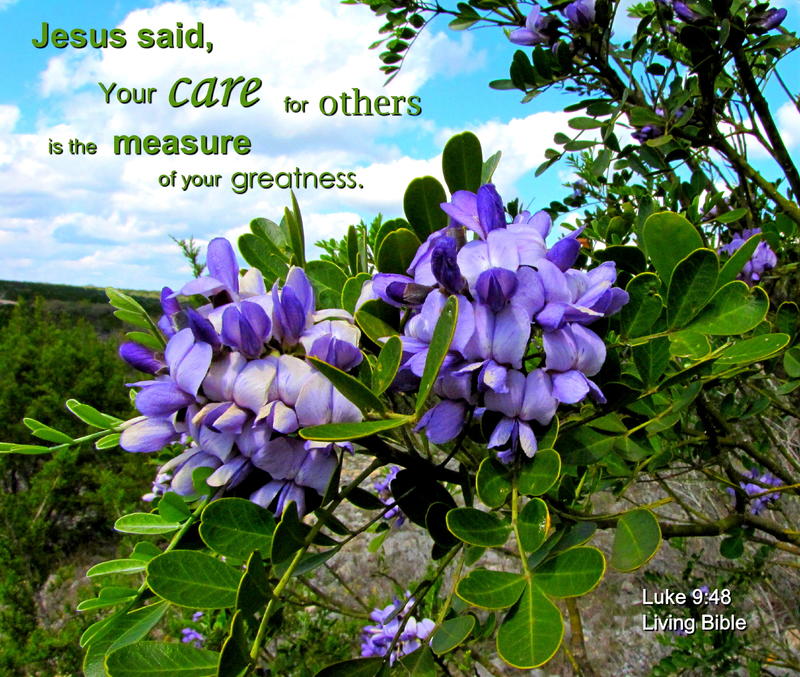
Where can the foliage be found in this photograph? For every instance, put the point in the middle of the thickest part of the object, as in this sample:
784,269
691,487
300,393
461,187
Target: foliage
53,506
510,425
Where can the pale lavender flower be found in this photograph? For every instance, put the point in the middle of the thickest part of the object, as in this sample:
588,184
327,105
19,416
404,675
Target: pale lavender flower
376,639
760,484
580,14
191,636
763,258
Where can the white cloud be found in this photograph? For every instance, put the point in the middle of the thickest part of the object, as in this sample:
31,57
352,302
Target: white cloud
789,124
5,4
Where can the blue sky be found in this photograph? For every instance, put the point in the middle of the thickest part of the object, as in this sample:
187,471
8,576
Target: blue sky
105,221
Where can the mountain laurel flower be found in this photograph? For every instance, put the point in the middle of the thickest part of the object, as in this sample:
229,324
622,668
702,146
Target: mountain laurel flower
518,300
765,20
763,258
383,488
377,639
539,29
760,483
580,14
234,387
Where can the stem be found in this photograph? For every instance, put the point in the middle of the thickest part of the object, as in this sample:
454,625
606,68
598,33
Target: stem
262,627
577,639
762,108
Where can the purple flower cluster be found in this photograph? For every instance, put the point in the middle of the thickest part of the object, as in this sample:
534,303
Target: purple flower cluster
764,481
383,488
763,258
190,635
376,639
543,29
233,386
508,284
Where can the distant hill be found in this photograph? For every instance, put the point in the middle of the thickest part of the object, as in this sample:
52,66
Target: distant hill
90,303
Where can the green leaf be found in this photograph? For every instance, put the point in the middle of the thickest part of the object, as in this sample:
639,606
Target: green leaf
370,322
462,162
733,266
577,534
539,474
290,535
145,523
253,592
117,566
294,221
108,441
489,167
91,416
651,359
134,319
752,350
150,659
490,589
693,281
235,655
689,344
493,482
357,667
172,507
119,631
109,596
124,302
477,527
269,230
329,281
421,206
235,527
533,524
786,319
45,432
532,631
387,227
387,365
264,256
437,351
193,579
644,307
791,362
350,387
636,540
667,238
572,573
584,123
733,215
336,432
734,309
583,446
451,633
397,251
352,290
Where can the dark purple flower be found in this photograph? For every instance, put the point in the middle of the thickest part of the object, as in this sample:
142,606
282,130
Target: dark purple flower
580,14
565,252
647,132
141,358
384,490
399,290
482,212
684,12
191,636
246,328
765,20
528,398
763,258
445,267
761,483
495,287
538,29
376,639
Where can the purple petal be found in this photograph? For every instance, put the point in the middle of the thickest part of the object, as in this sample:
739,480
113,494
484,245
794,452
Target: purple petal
570,387
222,264
527,440
510,402
490,208
193,368
560,350
538,404
162,399
151,434
444,421
253,383
140,358
502,432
